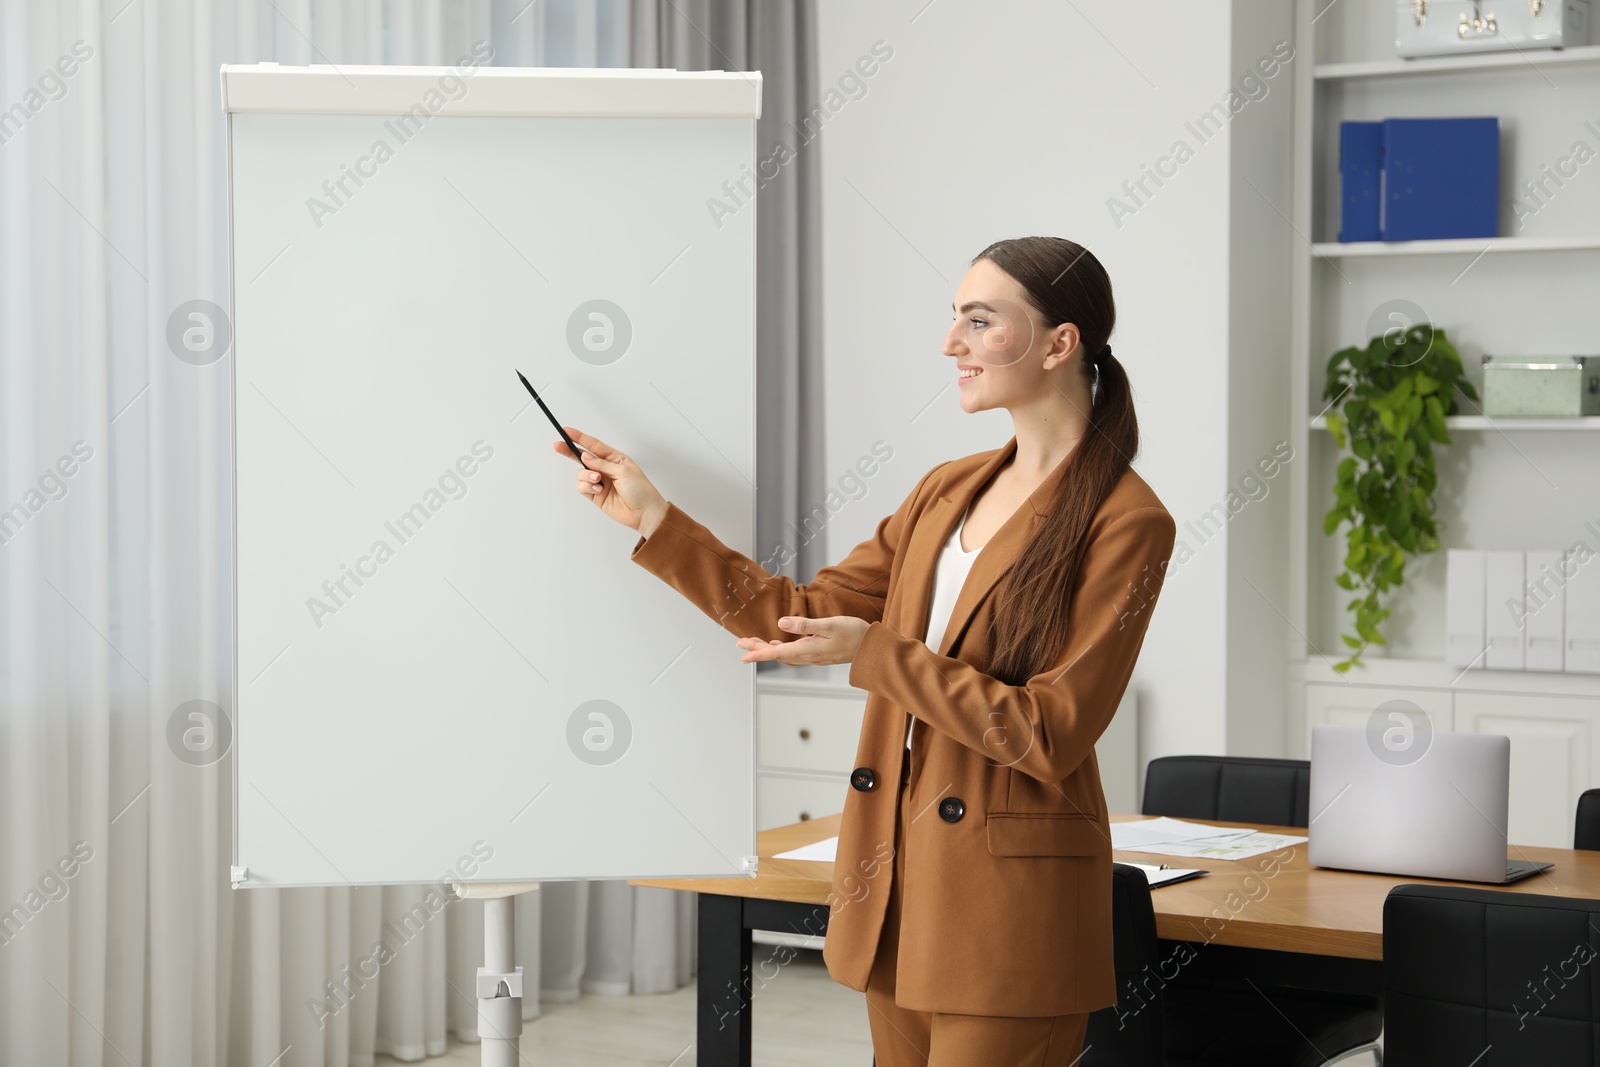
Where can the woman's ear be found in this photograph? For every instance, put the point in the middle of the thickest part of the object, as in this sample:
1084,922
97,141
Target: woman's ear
1063,342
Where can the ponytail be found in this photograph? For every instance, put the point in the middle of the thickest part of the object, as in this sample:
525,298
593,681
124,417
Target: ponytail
1065,283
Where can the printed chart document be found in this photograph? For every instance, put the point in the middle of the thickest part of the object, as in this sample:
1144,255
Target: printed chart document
1175,837
1135,835
1241,847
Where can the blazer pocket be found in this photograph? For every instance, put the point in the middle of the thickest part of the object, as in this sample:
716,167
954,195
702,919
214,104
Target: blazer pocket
1046,834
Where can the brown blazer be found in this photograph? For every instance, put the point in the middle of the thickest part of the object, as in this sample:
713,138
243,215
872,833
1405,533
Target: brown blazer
1006,906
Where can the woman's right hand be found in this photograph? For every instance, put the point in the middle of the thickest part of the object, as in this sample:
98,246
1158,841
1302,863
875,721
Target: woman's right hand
615,483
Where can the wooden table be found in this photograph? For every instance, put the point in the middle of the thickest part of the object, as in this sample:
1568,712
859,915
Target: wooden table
1273,917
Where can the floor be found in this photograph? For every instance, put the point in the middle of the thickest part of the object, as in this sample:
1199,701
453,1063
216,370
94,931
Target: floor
802,1018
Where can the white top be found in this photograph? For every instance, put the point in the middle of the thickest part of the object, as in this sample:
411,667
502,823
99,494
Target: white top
948,578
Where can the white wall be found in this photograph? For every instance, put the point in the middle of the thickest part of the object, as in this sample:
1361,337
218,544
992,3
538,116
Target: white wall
1002,120
1260,292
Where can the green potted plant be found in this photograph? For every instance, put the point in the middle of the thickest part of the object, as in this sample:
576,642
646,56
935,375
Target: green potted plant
1392,397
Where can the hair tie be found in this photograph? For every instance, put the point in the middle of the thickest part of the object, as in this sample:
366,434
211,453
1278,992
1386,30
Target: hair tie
1104,354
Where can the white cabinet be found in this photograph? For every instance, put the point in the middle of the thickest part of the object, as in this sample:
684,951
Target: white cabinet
806,736
1553,724
782,799
1553,757
807,726
1353,705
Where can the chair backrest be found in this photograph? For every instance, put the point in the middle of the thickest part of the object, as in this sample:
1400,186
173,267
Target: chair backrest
1586,828
1489,978
1133,1033
1229,788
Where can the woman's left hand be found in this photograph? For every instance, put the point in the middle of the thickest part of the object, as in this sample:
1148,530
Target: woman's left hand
830,640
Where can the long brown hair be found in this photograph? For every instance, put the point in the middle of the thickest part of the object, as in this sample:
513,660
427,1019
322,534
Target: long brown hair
1064,282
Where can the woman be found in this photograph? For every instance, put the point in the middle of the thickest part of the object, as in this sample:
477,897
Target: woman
994,620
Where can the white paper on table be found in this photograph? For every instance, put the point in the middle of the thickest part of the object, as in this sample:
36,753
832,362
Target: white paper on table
1135,835
1233,847
1172,837
820,851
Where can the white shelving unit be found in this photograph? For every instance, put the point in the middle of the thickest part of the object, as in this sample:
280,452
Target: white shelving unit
1504,483
1394,67
1469,246
1476,423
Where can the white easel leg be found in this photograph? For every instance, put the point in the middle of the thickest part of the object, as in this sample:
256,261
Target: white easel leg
500,985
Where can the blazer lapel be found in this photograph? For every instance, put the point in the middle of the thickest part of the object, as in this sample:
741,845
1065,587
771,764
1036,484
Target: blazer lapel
933,529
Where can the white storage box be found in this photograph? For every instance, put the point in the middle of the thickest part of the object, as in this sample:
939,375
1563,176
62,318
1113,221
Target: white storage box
1503,574
1583,613
1545,630
1465,638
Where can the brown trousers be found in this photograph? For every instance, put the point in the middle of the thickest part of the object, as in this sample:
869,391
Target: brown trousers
905,1038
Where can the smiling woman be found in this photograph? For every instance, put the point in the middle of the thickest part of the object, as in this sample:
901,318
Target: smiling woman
984,935
1040,348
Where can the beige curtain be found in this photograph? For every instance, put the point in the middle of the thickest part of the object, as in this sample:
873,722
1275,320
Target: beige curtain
120,940
778,38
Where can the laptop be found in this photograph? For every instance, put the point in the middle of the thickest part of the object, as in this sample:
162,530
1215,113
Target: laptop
1441,814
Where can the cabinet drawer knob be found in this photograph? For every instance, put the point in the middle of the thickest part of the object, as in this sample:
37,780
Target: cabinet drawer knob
805,734
805,816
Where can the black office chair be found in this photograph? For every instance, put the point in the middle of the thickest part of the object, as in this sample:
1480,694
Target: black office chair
1586,828
1216,1021
1133,1033
1489,978
1229,789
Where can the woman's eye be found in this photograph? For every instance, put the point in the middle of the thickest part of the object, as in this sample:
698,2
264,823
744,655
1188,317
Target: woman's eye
979,322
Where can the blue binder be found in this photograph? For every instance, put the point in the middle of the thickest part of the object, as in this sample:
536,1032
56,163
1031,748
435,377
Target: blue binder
1441,178
1360,161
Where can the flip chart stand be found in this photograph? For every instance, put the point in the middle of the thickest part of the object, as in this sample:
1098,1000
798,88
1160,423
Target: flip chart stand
500,977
